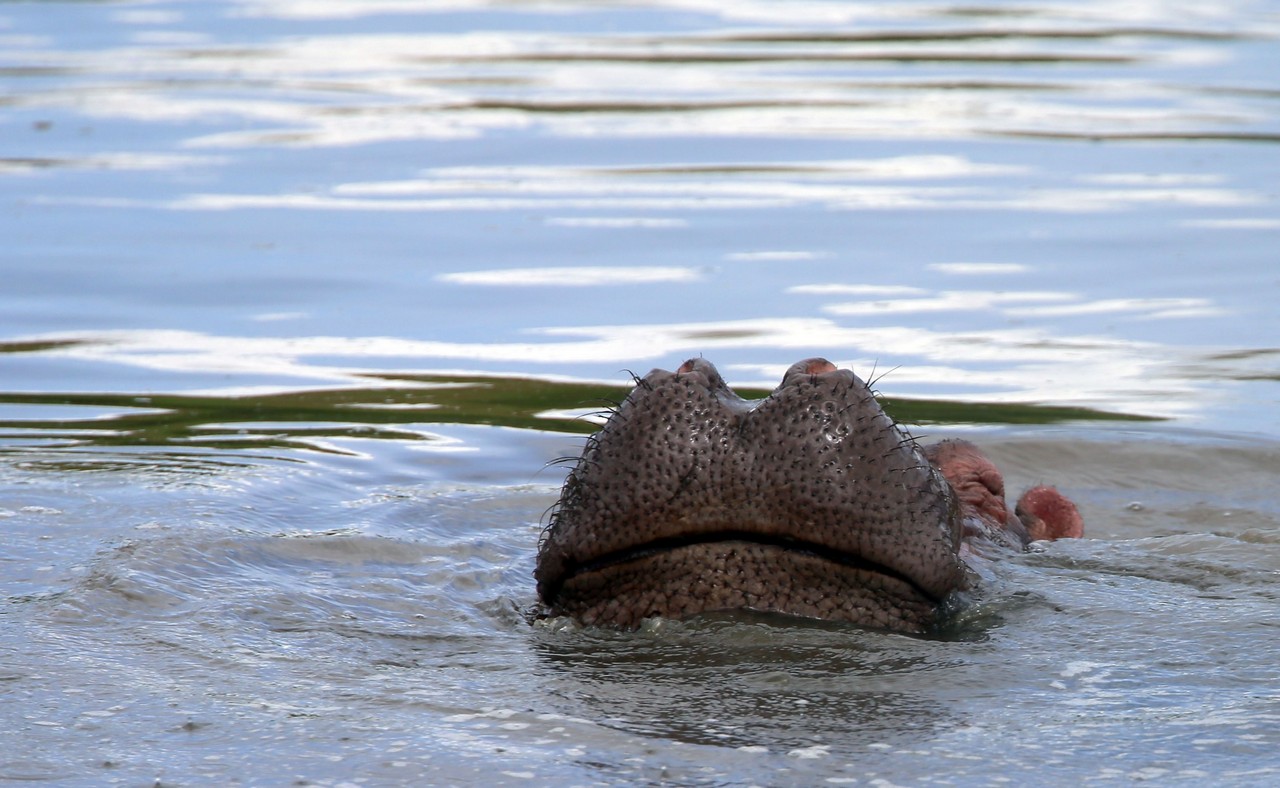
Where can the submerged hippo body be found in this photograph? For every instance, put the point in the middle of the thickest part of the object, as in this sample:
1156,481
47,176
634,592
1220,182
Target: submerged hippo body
811,502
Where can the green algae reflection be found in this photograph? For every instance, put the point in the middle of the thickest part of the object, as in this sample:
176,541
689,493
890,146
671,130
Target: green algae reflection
395,409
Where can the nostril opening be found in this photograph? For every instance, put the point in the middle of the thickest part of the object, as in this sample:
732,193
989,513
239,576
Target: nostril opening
819,366
993,481
809,366
703,375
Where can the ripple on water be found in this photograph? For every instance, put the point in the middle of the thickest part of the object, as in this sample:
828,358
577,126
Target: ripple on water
257,523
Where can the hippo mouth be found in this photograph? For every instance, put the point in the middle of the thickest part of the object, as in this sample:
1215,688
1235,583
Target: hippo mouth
679,577
810,502
685,576
784,544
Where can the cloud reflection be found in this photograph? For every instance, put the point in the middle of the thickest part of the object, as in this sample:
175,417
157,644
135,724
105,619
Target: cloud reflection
891,300
109,161
583,276
858,290
1016,364
1075,73
978,269
1143,308
1234,224
954,301
617,222
827,185
774,256
819,13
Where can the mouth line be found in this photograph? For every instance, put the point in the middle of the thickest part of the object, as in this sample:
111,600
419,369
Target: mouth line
791,544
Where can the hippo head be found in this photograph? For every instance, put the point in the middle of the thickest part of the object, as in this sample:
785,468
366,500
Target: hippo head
811,502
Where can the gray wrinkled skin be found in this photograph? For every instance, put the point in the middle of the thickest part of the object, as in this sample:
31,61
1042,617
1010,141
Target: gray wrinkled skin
811,502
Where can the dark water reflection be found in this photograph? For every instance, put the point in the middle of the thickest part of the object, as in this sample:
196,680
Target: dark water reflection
298,299
310,420
733,683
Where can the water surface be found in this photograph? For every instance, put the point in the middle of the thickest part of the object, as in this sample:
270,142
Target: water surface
300,298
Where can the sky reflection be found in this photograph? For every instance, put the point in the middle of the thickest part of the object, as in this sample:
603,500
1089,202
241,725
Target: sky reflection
1030,201
670,189
582,276
1087,71
1024,304
1002,365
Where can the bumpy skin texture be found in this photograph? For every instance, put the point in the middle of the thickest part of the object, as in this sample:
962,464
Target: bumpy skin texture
811,502
1042,512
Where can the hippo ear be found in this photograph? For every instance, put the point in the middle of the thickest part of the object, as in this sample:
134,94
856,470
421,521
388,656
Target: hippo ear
1048,514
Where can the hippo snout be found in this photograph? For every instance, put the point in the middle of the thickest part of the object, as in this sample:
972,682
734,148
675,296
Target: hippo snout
810,502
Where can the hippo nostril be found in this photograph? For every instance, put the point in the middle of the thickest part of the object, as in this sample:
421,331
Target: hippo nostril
807,367
698,364
703,374
817,366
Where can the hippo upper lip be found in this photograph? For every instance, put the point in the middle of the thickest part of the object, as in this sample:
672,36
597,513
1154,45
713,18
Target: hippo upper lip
641,551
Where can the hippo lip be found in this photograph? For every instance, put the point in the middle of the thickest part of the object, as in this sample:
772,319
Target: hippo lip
791,544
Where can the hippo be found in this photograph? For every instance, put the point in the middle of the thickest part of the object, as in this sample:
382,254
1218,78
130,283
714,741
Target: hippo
811,502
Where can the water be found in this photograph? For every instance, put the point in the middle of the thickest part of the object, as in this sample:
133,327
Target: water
300,298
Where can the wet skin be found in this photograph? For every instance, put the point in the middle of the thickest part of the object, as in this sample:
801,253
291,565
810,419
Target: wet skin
810,502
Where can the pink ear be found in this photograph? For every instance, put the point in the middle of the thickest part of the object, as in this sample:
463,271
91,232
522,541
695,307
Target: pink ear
1048,514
